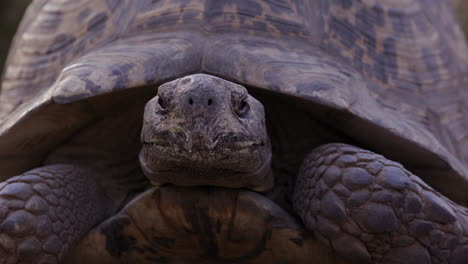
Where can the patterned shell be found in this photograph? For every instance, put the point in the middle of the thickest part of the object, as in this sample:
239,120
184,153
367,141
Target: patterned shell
391,74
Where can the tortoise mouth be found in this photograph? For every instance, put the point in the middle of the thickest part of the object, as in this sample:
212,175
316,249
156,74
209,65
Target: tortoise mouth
182,141
165,145
191,171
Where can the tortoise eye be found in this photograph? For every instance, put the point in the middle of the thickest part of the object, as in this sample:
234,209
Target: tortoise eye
162,106
243,108
162,103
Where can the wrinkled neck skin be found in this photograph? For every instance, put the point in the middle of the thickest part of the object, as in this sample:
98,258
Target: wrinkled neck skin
201,130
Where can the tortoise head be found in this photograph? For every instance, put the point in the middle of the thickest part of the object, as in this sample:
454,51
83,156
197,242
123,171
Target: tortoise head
203,130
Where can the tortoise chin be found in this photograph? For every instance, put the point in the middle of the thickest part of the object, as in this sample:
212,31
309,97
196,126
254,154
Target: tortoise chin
201,130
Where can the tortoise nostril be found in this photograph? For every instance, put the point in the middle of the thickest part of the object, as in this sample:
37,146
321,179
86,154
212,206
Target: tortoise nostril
201,98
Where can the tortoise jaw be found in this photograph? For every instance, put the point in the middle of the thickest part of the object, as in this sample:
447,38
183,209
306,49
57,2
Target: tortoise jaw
217,144
179,173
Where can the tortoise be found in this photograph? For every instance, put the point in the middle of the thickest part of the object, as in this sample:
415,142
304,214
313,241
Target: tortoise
211,131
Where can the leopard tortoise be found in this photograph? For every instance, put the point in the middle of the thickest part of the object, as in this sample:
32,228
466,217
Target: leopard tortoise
251,94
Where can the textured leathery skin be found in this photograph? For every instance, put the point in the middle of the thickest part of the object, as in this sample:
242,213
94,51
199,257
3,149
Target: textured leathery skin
43,212
372,209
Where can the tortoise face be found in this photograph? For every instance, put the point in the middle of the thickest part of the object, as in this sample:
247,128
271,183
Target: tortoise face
203,130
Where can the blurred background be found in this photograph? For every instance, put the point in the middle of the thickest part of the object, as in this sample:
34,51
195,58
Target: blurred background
11,12
461,7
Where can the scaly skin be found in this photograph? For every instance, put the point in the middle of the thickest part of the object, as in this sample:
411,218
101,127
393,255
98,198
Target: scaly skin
45,211
371,209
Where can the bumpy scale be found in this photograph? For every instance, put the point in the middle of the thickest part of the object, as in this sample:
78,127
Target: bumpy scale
372,209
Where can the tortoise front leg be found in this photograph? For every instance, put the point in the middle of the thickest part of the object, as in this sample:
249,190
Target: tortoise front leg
371,209
45,211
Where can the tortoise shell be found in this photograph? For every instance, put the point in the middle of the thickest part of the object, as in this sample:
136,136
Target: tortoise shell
390,74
